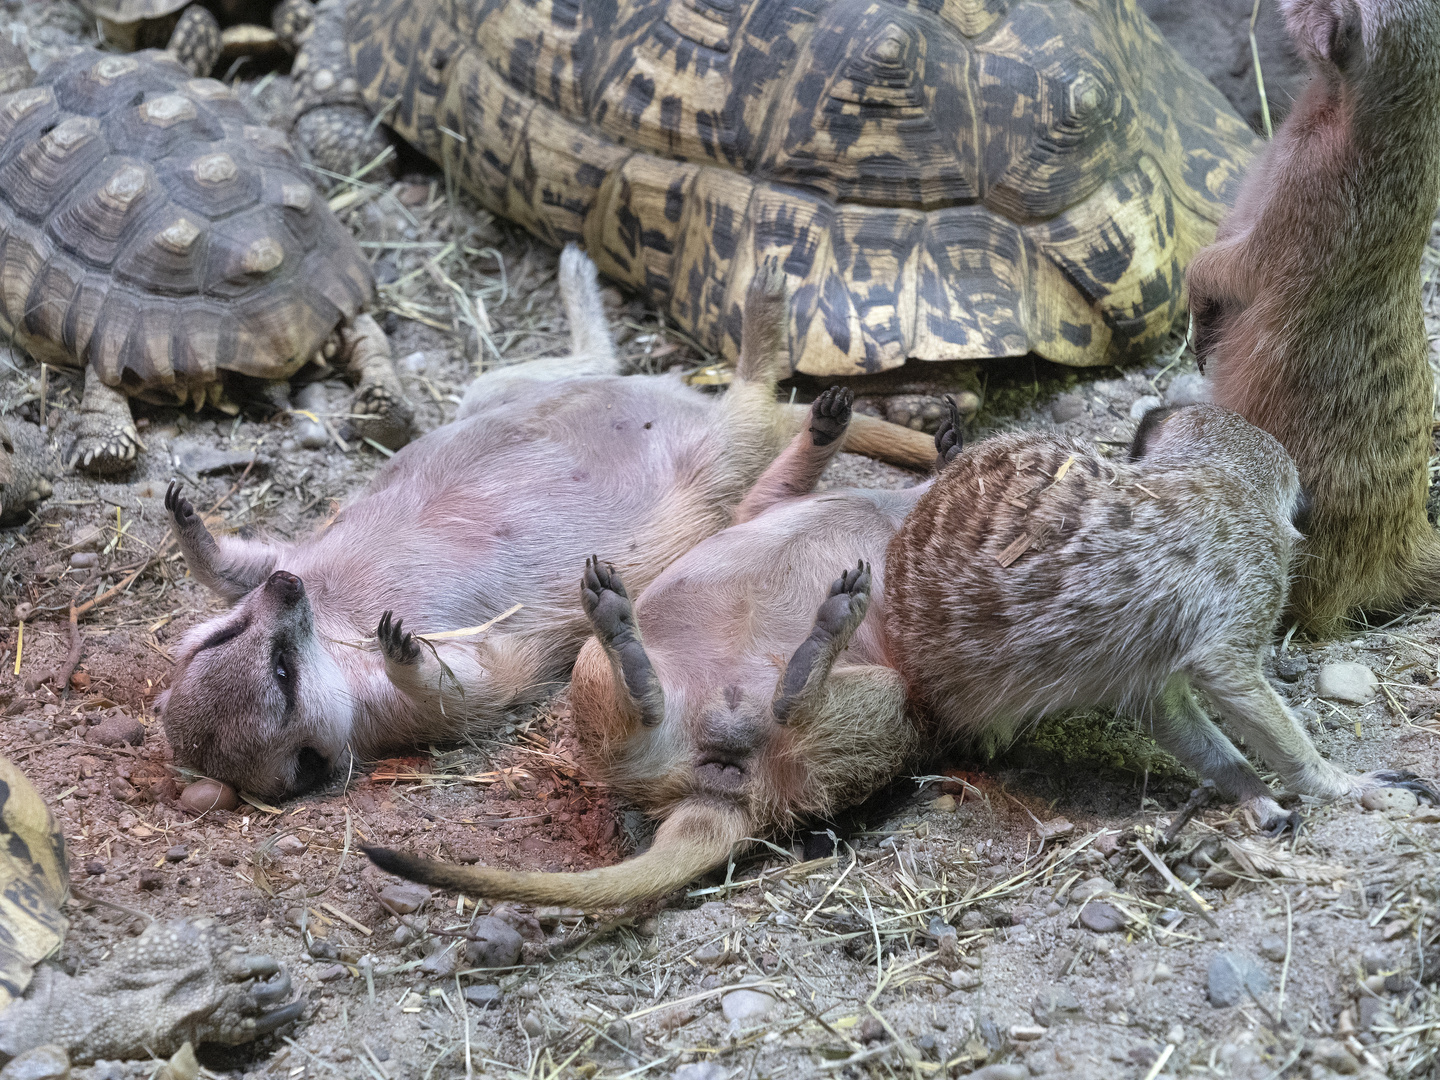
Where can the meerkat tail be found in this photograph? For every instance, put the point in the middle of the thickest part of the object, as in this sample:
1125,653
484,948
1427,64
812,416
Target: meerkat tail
876,438
698,836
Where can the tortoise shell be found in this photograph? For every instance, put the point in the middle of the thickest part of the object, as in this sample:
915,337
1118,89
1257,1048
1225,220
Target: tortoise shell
151,230
941,179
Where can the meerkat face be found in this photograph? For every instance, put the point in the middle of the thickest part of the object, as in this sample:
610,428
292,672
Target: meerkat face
256,701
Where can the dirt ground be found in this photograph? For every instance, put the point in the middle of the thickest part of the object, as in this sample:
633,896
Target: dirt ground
1009,916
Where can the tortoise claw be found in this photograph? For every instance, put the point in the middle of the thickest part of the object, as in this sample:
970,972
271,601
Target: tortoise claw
277,989
279,1017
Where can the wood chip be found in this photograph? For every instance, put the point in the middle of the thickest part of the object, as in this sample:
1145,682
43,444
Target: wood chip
341,915
1018,547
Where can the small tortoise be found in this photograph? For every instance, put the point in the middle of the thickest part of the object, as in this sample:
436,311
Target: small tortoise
941,179
192,32
171,985
153,234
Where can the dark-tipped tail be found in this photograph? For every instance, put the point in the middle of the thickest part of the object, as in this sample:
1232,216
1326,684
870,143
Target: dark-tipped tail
698,836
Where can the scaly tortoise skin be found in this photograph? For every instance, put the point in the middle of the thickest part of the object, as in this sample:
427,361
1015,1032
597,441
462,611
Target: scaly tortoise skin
196,32
151,233
941,179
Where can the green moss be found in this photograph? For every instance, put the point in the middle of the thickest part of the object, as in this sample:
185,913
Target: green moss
1096,738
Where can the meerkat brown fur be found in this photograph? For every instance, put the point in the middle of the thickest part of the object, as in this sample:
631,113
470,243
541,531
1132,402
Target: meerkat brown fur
1307,308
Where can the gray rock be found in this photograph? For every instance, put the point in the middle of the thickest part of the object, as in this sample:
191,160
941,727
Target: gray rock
89,538
532,1025
1101,917
178,853
198,459
973,920
1189,389
1291,668
1230,974
1333,1056
1052,1004
309,433
414,362
745,1005
48,1062
1001,1072
702,1070
117,730
1272,947
1067,407
1375,958
84,560
405,898
484,996
1352,683
495,943
1142,405
1094,886
331,972
442,962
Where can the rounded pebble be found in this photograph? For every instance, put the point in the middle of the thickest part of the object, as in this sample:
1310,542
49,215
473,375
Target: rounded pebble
405,898
493,943
84,560
205,795
746,1004
178,853
484,996
1101,917
1352,683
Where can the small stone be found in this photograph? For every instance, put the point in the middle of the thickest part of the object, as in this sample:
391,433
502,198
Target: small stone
310,433
709,955
405,898
1272,947
94,867
89,538
442,962
1142,405
1053,1003
150,880
1000,1072
1187,873
746,1005
1026,1032
945,804
198,459
1101,917
484,996
702,1070
1107,844
122,790
973,920
290,845
117,730
532,1025
228,859
1067,407
178,853
871,1030
1229,975
1090,887
1335,1057
1291,668
1352,683
494,943
205,795
48,1062
289,446
963,978
403,935
1191,388
1390,798
321,949
1375,959
414,362
1176,1035
84,560
331,972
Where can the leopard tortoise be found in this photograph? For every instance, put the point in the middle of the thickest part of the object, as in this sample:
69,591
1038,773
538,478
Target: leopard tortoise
196,33
154,235
941,179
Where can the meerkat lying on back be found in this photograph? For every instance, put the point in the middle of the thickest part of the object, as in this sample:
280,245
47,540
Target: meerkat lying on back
545,463
740,694
1307,308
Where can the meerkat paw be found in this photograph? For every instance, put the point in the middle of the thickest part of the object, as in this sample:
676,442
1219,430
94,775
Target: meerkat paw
830,415
397,643
606,603
1274,820
950,436
182,512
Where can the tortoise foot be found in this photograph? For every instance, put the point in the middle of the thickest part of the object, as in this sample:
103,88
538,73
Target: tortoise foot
102,447
195,41
292,20
24,470
379,412
173,984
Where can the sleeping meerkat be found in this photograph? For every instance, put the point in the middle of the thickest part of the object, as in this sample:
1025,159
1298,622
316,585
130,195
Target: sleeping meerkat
740,693
1307,308
546,462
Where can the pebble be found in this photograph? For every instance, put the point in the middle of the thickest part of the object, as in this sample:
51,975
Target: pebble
1095,886
945,804
1272,947
1389,798
405,898
1101,917
1352,683
84,560
1333,1056
1067,407
331,972
532,1025
495,943
150,880
1001,1072
117,730
48,1062
965,979
1142,405
1229,974
484,996
122,790
178,853
441,963
974,920
290,845
1375,959
1052,1003
197,459
746,1004
702,1070
89,538
871,1030
709,955
310,434
1176,1035
1026,1032
206,795
319,948
94,867
1189,389
414,362
1291,668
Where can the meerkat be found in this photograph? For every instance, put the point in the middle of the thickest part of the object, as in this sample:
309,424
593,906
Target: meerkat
1032,576
1307,308
322,655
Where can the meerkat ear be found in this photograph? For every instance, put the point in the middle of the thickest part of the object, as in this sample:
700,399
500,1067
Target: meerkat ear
1327,30
1149,426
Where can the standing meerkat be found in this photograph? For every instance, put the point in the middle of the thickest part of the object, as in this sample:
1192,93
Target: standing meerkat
748,689
1307,308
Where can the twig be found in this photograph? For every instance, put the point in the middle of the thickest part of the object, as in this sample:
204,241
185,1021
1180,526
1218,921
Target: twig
1164,871
1259,74
1160,1061
1199,799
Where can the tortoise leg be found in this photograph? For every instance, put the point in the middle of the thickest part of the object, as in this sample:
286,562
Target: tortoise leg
379,410
196,40
104,440
24,476
332,123
291,21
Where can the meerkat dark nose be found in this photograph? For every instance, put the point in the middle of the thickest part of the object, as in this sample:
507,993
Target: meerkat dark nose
285,587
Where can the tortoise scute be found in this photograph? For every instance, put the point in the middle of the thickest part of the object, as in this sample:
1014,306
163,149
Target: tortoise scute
150,230
955,180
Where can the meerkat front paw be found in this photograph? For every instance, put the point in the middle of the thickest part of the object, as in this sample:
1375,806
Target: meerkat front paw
830,415
397,643
848,600
606,603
